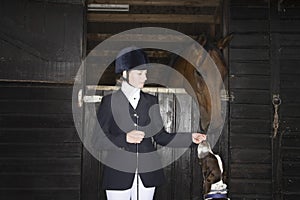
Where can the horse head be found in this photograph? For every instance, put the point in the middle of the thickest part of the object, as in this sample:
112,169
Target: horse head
199,80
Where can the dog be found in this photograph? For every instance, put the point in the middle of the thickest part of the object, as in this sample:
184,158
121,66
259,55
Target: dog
212,170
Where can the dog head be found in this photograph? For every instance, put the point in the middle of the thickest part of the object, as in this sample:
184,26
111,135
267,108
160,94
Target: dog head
203,149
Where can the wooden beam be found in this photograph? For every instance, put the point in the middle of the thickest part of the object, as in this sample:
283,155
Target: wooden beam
138,37
145,89
152,18
189,3
151,54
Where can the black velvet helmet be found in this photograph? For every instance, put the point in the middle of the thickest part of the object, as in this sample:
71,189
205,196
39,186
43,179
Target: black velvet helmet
131,58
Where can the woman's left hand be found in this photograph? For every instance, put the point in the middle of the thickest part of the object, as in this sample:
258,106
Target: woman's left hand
197,138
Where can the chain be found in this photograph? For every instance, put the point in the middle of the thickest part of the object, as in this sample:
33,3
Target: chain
276,103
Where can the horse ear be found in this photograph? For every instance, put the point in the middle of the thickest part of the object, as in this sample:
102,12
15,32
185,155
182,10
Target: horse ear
224,42
202,39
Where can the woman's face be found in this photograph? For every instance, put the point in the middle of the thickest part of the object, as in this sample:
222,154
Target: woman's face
137,78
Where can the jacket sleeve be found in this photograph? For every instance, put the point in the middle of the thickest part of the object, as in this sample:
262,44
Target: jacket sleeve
103,137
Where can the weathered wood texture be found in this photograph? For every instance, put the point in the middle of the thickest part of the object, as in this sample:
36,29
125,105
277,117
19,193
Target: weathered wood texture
40,40
40,152
265,40
285,31
250,112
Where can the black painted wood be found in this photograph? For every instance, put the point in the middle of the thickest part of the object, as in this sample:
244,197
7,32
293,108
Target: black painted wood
40,152
40,40
255,161
250,111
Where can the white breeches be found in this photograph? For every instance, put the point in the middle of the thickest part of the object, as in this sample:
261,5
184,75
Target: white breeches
131,194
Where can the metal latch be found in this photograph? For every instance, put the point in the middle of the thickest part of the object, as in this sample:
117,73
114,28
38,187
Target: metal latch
87,99
225,96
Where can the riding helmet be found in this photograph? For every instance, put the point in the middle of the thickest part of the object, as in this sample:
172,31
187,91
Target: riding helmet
131,58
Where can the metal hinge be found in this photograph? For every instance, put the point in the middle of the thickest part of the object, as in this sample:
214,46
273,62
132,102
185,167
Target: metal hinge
225,96
87,99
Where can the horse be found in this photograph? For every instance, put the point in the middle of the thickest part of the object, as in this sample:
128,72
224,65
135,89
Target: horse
198,85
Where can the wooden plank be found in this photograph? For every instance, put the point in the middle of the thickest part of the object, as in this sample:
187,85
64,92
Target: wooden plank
37,121
39,181
290,124
35,107
196,176
251,196
250,82
250,141
182,166
249,126
250,156
291,154
250,40
246,111
91,176
242,12
62,1
42,135
252,3
38,71
168,113
291,196
291,184
289,39
290,110
67,150
11,91
290,96
289,13
185,28
287,26
261,97
238,54
45,194
249,26
193,3
250,171
165,38
71,166
291,169
152,18
289,66
289,53
251,186
250,68
290,81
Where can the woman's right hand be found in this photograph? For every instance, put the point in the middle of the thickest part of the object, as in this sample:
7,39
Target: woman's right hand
135,136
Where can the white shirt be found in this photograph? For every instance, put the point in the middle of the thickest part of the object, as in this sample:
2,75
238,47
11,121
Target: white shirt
132,93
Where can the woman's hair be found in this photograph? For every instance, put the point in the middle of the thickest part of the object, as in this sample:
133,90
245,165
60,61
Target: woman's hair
119,79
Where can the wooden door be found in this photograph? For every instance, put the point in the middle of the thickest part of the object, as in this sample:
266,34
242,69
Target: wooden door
284,30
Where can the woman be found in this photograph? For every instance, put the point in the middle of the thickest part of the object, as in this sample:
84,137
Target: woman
131,122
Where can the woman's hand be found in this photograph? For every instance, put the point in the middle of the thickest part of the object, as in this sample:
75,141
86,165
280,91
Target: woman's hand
198,137
135,136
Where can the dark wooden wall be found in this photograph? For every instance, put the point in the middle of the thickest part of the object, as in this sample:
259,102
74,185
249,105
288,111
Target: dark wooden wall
285,31
40,52
41,46
263,61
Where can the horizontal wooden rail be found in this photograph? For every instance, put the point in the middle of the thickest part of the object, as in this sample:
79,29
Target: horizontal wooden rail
145,89
152,18
190,3
139,37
